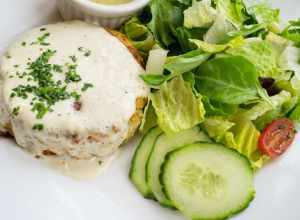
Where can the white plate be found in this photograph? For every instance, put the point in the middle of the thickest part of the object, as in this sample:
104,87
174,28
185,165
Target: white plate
31,191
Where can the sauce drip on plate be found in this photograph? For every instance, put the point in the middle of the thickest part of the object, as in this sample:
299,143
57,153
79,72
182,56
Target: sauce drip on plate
79,169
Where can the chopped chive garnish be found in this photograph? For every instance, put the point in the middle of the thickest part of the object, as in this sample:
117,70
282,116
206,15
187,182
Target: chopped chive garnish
16,111
38,127
86,86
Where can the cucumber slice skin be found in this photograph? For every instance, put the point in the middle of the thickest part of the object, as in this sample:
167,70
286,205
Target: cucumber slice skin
164,180
137,173
163,145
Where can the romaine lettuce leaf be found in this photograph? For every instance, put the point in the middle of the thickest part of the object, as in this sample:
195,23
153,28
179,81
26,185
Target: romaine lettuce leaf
278,43
156,61
177,65
184,35
176,106
262,54
217,48
214,108
217,128
261,122
280,111
231,16
231,80
289,60
295,114
154,80
139,35
239,134
263,107
166,17
149,118
292,32
186,62
217,33
200,14
246,30
234,11
264,14
246,138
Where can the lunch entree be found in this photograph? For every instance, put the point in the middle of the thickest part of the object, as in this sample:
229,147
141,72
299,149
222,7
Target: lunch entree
213,86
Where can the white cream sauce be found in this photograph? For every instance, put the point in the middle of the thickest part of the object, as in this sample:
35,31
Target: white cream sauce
79,169
111,69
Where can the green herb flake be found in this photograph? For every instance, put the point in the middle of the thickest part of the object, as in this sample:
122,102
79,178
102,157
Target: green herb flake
23,44
86,86
57,68
16,111
72,75
86,52
75,95
41,40
38,127
40,108
73,58
43,89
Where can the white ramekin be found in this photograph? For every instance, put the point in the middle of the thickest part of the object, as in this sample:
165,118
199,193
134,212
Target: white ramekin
111,16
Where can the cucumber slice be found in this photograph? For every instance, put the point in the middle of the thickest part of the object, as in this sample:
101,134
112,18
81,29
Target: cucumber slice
137,172
164,144
208,181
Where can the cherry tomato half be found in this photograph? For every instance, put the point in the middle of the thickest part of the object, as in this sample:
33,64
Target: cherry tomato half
277,137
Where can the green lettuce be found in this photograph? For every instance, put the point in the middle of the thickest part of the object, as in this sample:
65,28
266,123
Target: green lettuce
264,14
176,106
200,14
292,32
239,134
295,114
231,80
230,19
246,142
214,108
149,118
218,128
246,30
139,35
166,17
156,60
263,107
186,62
185,34
217,33
290,62
177,65
278,43
263,113
217,48
262,54
234,11
154,80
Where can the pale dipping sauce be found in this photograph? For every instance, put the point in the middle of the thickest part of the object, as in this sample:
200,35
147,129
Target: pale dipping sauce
111,2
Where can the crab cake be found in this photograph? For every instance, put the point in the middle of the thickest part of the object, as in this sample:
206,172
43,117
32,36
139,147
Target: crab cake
71,89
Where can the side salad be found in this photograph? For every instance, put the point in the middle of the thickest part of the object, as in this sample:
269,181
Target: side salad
225,98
